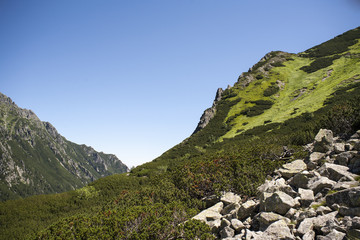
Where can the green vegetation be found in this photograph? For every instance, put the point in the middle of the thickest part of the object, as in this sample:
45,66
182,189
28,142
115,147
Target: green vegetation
236,151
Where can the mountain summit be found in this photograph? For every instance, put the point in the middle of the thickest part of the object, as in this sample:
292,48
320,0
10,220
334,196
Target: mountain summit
36,159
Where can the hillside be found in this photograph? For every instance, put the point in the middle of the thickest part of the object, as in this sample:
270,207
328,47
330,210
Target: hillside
36,159
253,128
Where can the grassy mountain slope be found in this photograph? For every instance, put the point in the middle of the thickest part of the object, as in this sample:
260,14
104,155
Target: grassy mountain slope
282,101
36,159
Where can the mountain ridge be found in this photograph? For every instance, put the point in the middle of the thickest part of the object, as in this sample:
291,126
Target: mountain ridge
36,159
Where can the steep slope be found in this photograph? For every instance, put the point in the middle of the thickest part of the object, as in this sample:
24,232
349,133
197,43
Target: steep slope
36,159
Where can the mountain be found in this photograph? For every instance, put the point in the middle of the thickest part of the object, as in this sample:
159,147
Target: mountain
36,159
254,127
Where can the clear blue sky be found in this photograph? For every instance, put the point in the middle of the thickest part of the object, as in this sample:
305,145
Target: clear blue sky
133,77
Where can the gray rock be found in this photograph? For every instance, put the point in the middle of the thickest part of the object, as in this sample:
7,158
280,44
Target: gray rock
318,184
343,158
210,200
306,197
305,226
320,221
354,164
290,169
225,223
309,235
276,185
323,210
214,225
301,179
347,211
237,225
307,213
336,172
267,218
348,197
230,197
291,213
316,156
227,232
247,209
210,214
339,147
278,202
278,230
345,185
323,141
335,235
229,208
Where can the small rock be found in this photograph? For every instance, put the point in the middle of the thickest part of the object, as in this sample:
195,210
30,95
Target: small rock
323,210
316,156
301,179
232,206
320,221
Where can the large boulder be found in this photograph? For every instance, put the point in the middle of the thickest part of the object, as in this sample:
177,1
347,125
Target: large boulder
290,169
324,141
276,185
348,197
267,218
305,226
336,172
227,232
278,202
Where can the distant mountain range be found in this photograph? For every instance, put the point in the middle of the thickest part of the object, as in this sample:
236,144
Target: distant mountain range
36,159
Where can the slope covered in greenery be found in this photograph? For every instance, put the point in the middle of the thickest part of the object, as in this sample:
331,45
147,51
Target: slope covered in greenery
278,103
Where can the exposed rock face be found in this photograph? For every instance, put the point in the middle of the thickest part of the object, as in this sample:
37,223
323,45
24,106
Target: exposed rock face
210,112
320,200
36,159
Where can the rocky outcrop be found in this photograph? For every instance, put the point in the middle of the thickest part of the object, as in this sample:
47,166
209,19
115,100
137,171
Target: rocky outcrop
313,198
210,112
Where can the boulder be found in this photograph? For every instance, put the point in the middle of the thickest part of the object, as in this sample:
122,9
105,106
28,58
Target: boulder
348,197
230,197
301,179
210,214
290,169
339,147
316,156
305,226
214,225
227,232
318,184
306,197
320,221
225,223
276,185
309,235
345,185
278,230
335,235
247,209
267,218
229,208
323,210
323,141
237,225
336,172
278,202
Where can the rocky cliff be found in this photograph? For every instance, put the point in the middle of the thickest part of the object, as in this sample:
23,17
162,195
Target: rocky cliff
36,159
